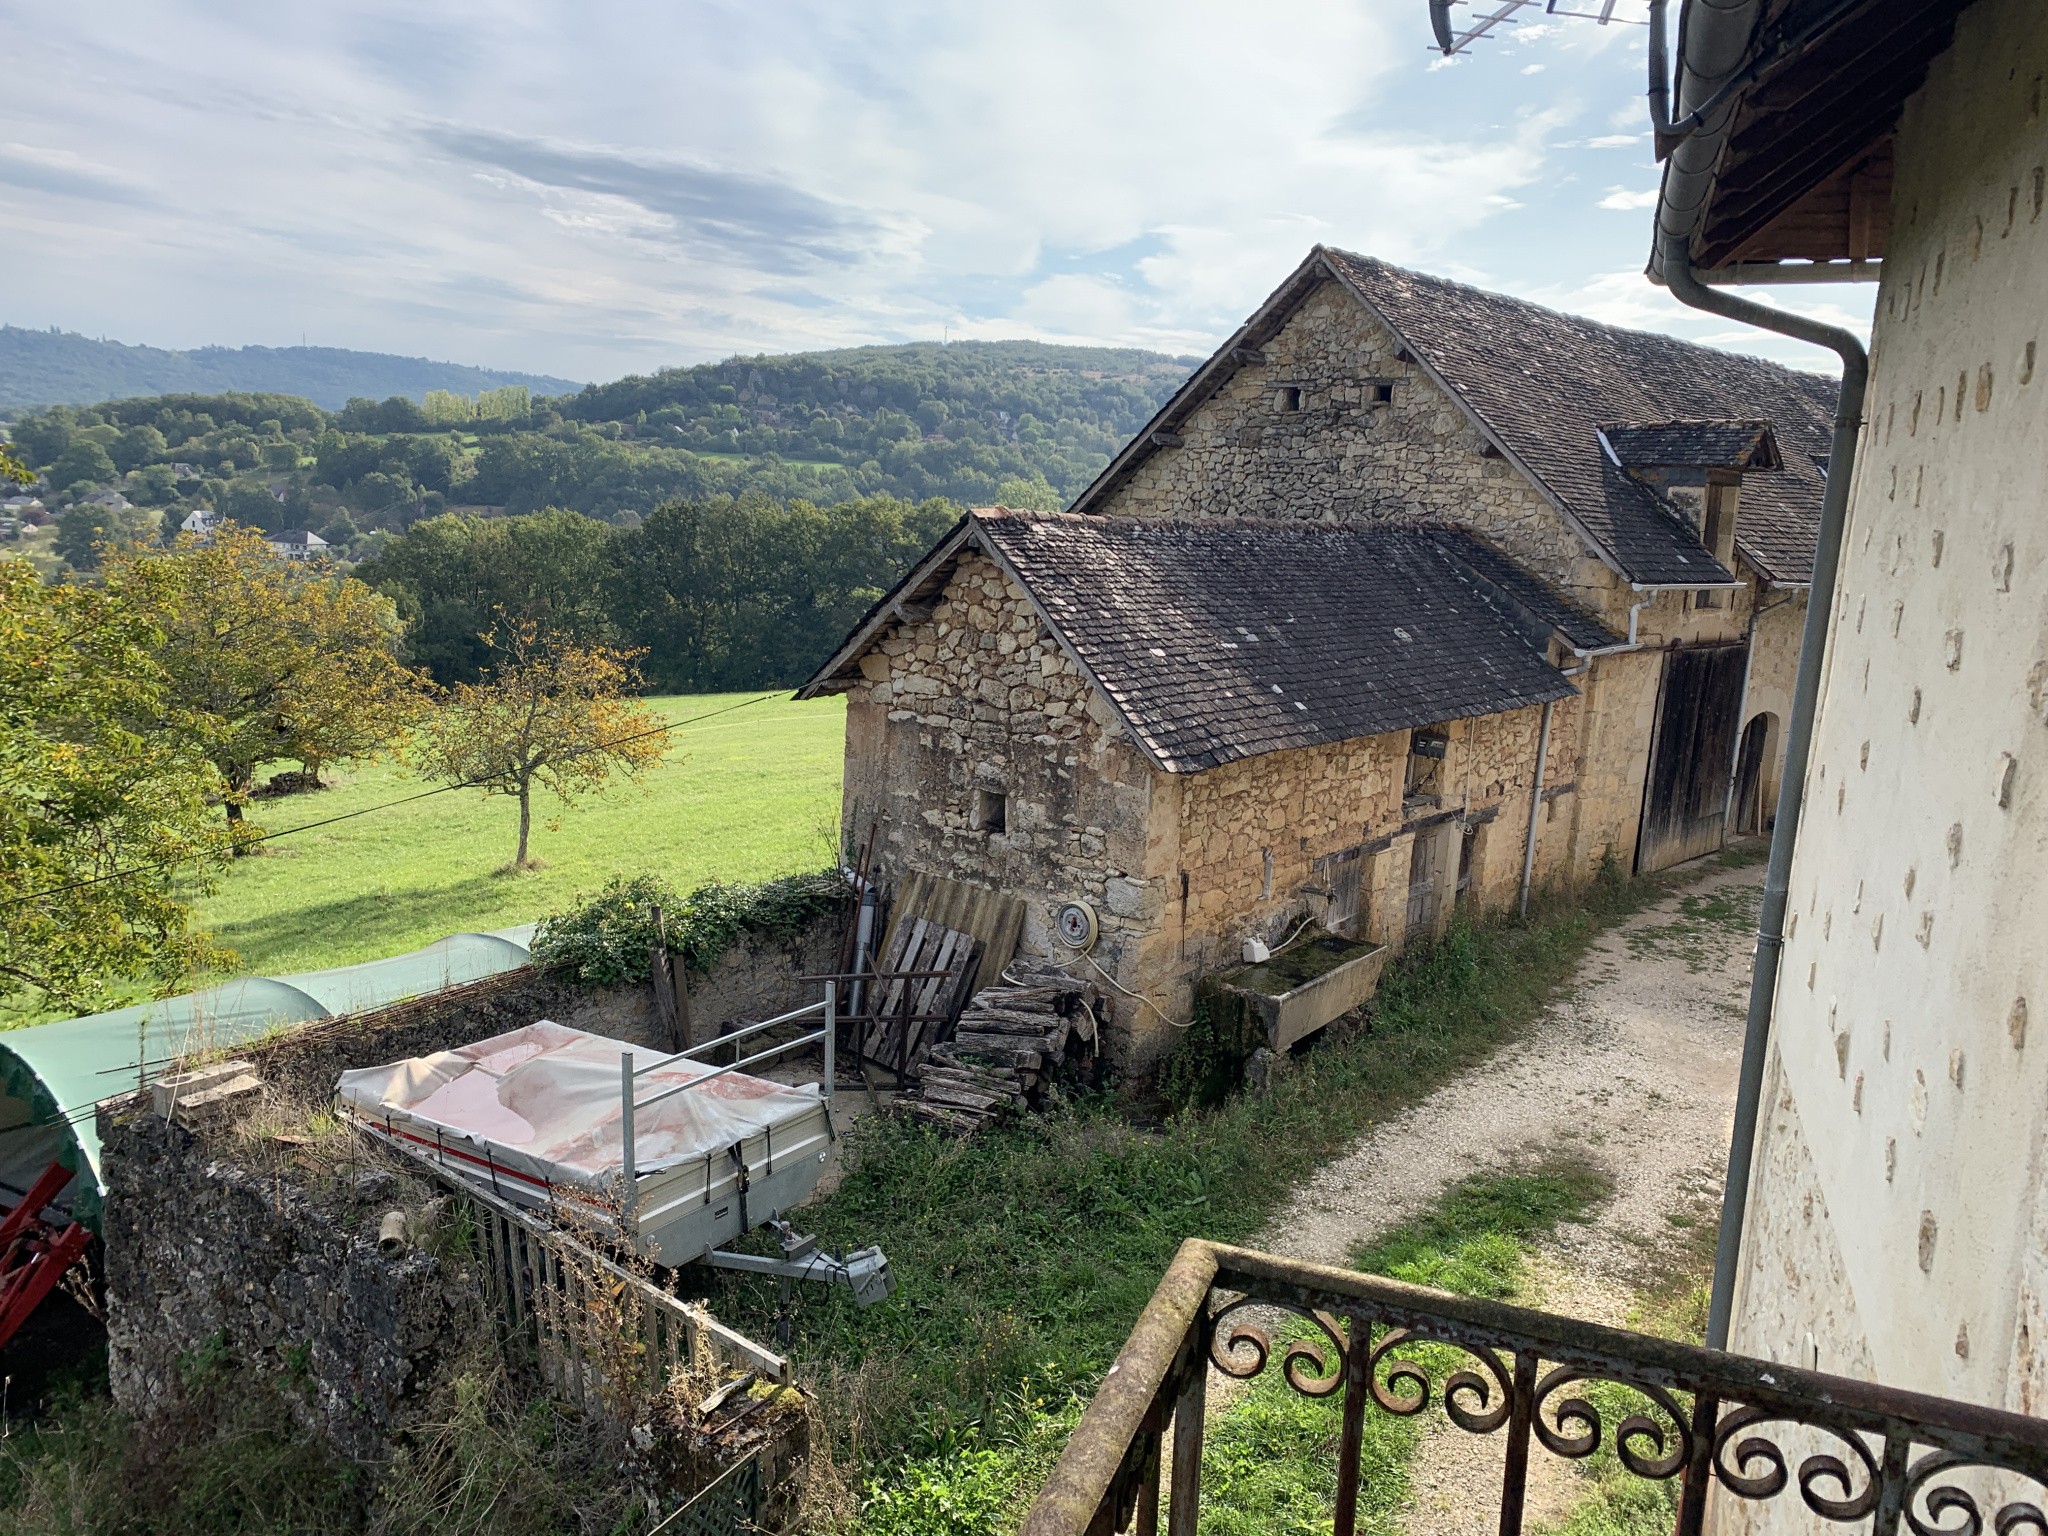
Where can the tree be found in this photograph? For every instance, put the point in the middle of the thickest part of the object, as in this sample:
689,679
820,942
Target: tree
95,792
551,714
86,532
83,463
269,660
13,471
138,446
453,577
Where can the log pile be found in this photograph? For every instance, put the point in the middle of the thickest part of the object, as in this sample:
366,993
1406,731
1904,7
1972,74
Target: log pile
1012,1042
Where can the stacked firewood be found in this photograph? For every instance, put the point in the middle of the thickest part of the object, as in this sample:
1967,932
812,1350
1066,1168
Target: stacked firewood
1012,1042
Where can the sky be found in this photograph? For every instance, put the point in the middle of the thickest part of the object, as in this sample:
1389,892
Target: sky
590,191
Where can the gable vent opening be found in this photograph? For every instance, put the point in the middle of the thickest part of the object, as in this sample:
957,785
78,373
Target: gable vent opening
1288,397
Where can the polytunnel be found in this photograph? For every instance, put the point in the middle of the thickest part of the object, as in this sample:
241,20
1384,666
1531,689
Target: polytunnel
52,1075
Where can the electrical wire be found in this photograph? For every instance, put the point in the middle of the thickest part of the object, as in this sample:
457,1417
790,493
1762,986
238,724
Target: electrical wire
368,810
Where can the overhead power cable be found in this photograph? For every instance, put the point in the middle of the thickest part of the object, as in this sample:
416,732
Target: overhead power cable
369,810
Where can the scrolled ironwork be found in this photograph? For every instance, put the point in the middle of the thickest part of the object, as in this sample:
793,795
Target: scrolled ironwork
1313,1369
1858,1483
1476,1402
1669,1443
1945,1499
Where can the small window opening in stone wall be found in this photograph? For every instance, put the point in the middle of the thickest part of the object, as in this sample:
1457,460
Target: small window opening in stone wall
991,811
1383,394
1426,749
1288,397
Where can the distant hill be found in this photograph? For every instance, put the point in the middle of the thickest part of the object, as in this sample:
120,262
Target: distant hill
65,368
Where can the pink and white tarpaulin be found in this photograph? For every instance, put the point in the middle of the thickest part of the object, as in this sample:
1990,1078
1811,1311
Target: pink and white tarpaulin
543,1102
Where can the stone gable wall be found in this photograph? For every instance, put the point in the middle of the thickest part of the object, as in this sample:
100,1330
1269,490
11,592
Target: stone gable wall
1344,457
978,696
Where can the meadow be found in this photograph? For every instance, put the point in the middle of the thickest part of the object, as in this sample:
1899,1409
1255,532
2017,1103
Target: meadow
742,795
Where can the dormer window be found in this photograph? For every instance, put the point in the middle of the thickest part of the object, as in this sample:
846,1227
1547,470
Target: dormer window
1287,398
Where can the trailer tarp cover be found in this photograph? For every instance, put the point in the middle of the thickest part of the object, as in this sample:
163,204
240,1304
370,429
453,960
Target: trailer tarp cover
542,1102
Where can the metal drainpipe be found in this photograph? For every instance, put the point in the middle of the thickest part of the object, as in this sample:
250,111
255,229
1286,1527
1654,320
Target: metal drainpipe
1690,168
1535,804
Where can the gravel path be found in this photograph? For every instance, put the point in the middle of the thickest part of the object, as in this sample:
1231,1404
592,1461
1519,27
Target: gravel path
1635,1070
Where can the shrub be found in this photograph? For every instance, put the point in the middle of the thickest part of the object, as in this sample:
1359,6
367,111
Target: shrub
607,939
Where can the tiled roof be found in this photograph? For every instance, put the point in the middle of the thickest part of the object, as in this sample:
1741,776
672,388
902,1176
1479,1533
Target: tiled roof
1520,592
1693,444
1541,383
1544,381
1222,640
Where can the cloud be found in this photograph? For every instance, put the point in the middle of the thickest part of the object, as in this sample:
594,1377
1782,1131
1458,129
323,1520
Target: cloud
591,191
1627,201
765,221
65,174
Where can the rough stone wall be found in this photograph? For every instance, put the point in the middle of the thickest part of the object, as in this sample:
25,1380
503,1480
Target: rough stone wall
1345,457
1909,1008
1251,836
205,1256
979,697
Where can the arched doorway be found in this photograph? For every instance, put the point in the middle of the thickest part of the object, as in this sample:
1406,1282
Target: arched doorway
1747,810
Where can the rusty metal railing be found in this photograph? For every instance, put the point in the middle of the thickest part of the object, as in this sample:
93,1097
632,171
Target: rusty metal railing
1750,1431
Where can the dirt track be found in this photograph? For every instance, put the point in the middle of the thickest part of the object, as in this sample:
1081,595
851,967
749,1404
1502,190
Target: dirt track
1633,1069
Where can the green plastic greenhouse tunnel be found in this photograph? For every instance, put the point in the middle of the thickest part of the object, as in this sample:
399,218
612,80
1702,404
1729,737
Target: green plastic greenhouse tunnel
52,1075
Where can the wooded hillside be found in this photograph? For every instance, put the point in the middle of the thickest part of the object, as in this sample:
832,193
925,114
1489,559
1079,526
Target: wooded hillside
974,422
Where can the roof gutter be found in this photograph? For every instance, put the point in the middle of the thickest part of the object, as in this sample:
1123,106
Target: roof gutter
1718,35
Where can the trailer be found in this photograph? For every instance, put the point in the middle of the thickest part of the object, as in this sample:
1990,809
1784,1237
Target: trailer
663,1154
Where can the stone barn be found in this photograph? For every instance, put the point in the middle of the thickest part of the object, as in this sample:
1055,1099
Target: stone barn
1411,596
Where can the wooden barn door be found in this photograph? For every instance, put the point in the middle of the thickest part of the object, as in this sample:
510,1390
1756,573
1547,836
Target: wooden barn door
1692,751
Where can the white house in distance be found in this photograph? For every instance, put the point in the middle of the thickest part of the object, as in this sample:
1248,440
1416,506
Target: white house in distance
1897,1226
200,520
298,544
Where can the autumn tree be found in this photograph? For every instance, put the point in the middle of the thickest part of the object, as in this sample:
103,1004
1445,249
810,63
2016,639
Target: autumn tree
270,660
550,713
106,830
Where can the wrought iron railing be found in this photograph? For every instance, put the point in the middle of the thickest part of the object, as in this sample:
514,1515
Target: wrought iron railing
1746,1432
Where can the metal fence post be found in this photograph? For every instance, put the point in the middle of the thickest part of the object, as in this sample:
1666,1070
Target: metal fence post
831,1039
627,1172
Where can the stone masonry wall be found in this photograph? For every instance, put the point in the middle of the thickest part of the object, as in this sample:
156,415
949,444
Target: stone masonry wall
207,1257
1251,836
978,697
1344,457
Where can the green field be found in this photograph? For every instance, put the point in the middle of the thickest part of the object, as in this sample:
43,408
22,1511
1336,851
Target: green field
744,796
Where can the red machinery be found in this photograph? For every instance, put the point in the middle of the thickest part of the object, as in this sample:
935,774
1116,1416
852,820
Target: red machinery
34,1254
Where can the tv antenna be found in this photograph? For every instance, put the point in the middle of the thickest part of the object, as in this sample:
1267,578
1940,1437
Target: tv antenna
1482,16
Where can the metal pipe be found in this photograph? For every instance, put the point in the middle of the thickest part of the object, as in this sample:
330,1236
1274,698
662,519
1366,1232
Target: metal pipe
697,1082
831,1033
1535,804
628,1173
723,1040
1714,53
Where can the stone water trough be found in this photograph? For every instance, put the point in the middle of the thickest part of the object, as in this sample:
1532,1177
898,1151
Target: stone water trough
1312,981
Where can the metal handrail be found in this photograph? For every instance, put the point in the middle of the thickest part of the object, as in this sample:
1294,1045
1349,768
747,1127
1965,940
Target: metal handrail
629,1105
723,1040
1704,1416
